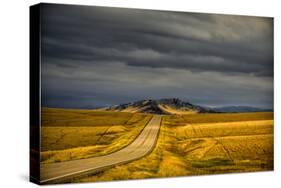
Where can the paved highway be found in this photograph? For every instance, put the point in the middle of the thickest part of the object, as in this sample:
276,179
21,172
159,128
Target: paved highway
141,146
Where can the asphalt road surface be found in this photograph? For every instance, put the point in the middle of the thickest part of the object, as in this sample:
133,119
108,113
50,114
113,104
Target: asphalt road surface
141,146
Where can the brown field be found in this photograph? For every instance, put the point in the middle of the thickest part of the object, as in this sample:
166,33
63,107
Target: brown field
77,134
197,144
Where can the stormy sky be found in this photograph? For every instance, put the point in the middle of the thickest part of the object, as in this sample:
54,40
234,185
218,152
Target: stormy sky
97,56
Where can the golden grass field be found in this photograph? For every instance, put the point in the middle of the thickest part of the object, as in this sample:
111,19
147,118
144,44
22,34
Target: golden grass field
77,134
189,144
202,144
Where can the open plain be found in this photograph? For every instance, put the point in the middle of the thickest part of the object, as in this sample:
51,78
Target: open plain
187,144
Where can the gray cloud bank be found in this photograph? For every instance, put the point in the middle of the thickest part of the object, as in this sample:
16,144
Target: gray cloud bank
95,56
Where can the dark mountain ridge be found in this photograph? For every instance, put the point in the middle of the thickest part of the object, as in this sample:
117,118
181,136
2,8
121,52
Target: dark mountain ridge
233,109
160,106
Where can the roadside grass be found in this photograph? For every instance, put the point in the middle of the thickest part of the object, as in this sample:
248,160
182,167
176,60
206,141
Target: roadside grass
56,117
179,120
211,163
192,146
62,140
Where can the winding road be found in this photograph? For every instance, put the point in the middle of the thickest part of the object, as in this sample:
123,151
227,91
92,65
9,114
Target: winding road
141,146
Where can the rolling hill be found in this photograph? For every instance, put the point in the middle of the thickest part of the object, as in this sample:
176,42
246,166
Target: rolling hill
160,106
233,109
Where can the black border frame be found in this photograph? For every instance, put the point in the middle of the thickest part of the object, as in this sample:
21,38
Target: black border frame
35,92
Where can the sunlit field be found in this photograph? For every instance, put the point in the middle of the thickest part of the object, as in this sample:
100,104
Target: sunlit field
77,134
197,144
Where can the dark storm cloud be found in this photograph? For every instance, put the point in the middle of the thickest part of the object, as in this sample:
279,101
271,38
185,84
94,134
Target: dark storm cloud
179,40
76,39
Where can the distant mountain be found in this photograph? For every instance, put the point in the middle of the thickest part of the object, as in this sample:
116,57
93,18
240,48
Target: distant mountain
239,109
160,106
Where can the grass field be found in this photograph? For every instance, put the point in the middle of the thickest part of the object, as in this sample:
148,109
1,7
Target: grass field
197,144
77,134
